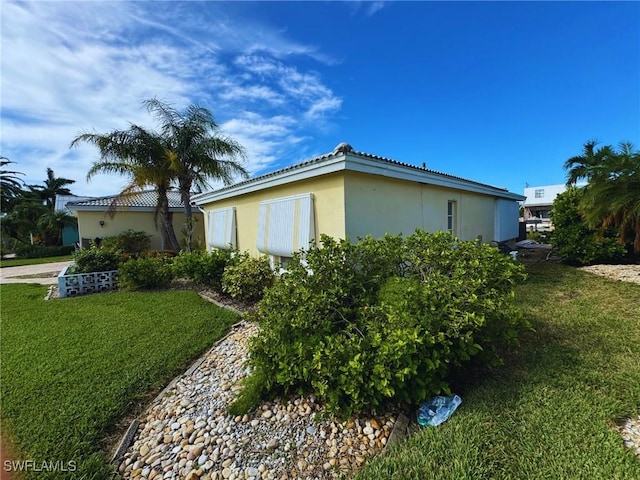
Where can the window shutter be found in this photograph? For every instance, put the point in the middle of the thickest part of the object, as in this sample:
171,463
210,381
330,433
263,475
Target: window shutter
221,231
286,225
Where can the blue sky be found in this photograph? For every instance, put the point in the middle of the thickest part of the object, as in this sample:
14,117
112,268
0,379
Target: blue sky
498,92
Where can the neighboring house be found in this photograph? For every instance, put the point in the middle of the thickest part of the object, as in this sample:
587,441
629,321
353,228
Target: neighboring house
538,204
133,212
352,194
70,234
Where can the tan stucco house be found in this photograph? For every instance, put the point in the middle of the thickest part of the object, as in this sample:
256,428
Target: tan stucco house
132,212
349,194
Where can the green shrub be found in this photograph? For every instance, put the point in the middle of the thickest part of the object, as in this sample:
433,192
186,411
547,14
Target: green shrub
96,259
130,242
253,389
247,278
42,251
158,254
145,273
576,243
204,268
362,324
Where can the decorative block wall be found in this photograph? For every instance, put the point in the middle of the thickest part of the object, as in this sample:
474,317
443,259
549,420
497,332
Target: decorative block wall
83,283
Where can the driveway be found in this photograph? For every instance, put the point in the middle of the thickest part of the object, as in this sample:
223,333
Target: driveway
44,273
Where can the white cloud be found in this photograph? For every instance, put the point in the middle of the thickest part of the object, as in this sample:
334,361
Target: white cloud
367,7
304,89
252,92
374,7
69,67
263,137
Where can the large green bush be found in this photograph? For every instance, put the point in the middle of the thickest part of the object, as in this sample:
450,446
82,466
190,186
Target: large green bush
204,268
576,243
96,259
145,273
361,324
247,278
129,242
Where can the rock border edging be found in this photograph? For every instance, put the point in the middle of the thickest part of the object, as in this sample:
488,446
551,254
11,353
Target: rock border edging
399,431
125,443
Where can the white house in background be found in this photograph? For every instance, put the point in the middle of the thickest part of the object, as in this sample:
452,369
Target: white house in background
538,203
70,234
352,194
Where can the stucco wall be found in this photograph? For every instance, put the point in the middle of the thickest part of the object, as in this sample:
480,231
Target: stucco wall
89,225
376,205
328,191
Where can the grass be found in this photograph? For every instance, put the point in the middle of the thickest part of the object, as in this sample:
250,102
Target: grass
71,369
19,262
549,412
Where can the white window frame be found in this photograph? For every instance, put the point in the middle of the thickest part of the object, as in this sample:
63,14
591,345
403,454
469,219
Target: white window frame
221,228
539,192
452,217
285,225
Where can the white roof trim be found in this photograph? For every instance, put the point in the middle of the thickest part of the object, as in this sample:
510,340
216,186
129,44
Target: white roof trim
355,163
103,208
315,169
400,172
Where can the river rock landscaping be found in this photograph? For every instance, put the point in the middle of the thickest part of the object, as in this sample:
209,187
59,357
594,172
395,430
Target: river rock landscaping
187,433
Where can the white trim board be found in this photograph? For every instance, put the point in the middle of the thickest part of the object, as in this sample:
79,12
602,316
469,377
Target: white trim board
355,163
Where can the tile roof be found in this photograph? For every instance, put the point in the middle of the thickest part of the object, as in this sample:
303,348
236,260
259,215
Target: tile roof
146,199
344,148
62,200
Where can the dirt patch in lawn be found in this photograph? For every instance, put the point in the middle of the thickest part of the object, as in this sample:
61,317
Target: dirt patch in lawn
7,454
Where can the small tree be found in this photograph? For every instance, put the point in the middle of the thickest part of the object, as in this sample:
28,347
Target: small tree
611,199
575,241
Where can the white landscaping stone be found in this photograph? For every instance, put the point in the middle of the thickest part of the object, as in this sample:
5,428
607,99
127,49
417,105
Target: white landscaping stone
192,434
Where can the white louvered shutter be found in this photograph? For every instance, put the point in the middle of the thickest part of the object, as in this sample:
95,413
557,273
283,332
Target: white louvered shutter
221,231
286,225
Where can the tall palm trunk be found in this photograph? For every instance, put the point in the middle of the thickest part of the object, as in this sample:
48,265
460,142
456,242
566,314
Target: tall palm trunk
185,184
169,239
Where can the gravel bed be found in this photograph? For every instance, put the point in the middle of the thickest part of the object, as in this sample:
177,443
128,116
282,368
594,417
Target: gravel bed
626,273
188,434
630,432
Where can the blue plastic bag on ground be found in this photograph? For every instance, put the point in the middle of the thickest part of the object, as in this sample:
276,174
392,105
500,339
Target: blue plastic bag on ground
437,410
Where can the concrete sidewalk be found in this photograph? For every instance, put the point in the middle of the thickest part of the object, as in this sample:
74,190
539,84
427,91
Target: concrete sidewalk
44,273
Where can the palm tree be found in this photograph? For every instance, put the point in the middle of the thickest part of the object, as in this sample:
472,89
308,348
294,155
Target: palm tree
612,196
22,220
140,155
10,184
52,223
197,152
52,186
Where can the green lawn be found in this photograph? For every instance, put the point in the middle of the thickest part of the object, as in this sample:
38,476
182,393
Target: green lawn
18,262
548,413
72,368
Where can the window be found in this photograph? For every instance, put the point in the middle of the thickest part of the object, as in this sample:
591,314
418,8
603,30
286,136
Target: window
221,228
539,192
286,225
279,264
451,218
